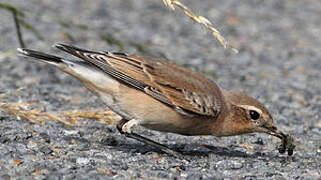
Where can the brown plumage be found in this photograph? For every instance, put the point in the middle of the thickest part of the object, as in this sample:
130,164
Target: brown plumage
160,95
159,78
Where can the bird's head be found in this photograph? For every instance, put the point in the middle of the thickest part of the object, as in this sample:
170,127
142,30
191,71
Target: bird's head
248,115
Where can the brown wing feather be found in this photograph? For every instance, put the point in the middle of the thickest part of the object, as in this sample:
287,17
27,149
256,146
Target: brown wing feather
185,88
165,81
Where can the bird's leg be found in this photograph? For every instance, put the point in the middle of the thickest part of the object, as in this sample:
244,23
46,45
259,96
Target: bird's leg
124,127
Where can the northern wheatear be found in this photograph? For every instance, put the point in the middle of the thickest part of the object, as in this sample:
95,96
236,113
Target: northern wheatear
160,95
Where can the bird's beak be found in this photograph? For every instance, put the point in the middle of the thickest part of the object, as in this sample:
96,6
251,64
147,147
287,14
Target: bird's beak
286,139
272,130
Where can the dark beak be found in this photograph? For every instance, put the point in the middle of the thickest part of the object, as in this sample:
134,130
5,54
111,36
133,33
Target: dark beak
272,130
286,140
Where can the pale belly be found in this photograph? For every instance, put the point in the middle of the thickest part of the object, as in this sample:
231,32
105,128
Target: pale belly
131,103
155,115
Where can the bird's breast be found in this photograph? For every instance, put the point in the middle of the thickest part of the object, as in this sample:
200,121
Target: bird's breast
131,103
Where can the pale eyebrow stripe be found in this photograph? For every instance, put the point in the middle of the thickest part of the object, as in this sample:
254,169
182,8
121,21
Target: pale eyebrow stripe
252,108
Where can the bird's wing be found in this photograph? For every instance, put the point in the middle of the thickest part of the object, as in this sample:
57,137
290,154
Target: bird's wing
188,92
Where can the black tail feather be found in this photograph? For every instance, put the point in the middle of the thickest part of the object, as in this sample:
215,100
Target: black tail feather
39,55
78,52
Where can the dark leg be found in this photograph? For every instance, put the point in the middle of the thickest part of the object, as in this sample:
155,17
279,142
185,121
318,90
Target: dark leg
150,142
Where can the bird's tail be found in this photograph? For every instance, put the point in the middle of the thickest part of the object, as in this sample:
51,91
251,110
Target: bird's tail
40,55
80,69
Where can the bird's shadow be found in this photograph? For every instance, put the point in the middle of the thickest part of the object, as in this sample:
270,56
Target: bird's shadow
191,150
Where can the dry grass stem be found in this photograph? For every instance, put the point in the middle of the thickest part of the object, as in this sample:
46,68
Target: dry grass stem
23,110
29,112
18,15
201,20
15,13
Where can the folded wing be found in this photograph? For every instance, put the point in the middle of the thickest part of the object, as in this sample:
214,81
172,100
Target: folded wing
187,92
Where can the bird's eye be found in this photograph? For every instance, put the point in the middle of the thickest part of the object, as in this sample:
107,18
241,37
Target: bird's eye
254,115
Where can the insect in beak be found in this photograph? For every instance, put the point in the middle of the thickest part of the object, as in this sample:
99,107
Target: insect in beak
286,140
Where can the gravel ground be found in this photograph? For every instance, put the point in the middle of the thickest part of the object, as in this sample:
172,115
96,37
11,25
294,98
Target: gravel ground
279,62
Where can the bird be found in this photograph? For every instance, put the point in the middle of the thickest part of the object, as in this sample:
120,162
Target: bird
158,94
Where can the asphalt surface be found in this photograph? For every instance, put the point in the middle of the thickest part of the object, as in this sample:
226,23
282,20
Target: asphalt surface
279,63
